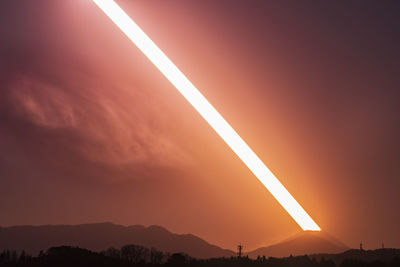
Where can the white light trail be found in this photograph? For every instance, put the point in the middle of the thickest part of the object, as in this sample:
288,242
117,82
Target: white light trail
207,111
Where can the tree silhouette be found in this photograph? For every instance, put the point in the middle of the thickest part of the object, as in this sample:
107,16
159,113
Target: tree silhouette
135,254
176,259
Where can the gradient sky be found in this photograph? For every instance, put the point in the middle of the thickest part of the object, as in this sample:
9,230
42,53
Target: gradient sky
90,131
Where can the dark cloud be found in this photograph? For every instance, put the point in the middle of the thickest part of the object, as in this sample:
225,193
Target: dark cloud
53,100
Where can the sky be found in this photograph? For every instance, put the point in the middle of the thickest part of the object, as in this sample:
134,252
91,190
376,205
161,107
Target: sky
90,131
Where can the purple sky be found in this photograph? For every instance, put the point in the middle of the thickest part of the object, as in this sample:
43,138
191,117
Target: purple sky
90,131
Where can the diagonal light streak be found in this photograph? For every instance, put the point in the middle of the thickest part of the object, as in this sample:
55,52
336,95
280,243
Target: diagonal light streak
207,111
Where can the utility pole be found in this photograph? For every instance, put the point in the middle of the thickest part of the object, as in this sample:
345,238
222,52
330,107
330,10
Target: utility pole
240,248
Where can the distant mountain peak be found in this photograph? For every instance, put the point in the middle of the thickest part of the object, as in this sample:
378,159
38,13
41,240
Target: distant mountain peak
305,242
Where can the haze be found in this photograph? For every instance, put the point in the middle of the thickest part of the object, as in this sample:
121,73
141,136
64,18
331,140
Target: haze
90,131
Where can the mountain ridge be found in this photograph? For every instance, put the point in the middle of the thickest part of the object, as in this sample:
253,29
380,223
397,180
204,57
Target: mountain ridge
307,242
100,236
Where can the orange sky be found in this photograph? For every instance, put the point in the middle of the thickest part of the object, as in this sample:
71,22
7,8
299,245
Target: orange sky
91,131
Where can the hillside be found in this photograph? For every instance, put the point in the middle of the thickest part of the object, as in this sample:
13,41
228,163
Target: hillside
100,236
307,242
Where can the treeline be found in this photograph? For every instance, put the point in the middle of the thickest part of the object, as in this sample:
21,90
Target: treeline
138,256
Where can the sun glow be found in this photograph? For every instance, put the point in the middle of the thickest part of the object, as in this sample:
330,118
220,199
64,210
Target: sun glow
208,112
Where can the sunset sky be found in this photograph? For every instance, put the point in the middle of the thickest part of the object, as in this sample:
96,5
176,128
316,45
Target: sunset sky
90,131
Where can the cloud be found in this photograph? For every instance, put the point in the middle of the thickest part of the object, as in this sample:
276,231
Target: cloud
96,120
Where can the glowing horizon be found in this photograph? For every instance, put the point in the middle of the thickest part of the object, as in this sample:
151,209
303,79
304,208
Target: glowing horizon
208,112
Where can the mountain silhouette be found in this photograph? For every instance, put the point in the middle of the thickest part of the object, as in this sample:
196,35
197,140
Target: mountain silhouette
307,242
100,236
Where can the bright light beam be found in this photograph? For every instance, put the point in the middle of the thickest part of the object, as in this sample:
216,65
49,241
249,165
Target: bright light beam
207,111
